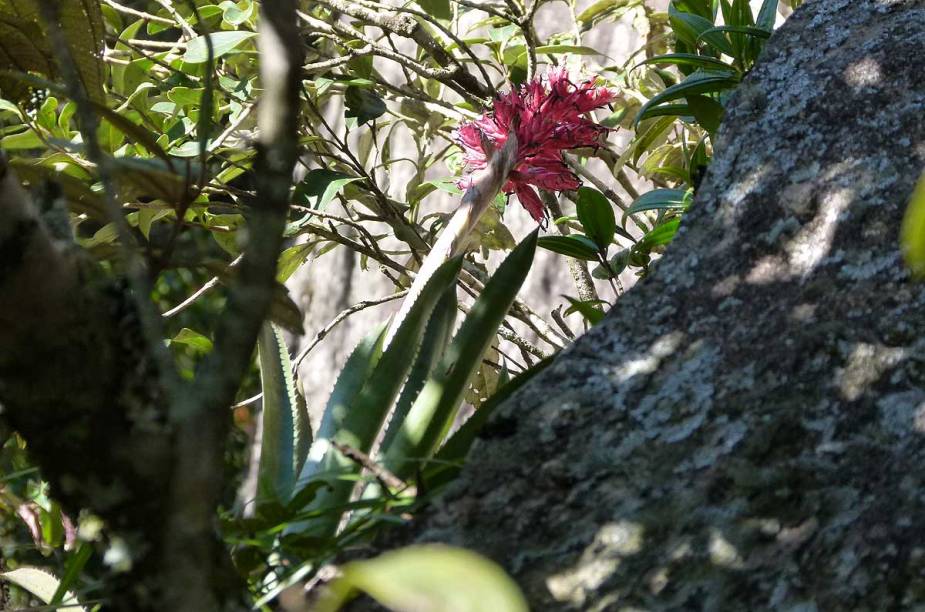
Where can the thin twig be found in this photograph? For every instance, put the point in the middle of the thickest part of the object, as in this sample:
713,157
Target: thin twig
386,478
338,319
180,20
463,46
206,287
136,13
406,26
155,44
232,128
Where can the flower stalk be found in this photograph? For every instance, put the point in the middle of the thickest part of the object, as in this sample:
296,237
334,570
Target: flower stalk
484,186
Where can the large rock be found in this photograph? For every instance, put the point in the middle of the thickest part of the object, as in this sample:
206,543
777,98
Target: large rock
745,430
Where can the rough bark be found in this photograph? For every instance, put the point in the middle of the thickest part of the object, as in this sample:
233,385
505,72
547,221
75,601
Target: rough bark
745,430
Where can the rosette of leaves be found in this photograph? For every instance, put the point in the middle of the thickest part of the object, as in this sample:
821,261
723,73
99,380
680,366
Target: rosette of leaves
406,395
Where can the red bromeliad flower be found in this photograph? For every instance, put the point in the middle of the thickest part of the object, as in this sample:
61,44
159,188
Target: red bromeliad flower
547,118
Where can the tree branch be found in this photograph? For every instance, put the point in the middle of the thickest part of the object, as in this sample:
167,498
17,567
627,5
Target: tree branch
201,417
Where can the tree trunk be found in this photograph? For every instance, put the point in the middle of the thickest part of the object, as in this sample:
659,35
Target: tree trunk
745,430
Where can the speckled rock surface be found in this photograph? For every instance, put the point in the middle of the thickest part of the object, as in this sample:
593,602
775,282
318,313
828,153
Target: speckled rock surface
746,431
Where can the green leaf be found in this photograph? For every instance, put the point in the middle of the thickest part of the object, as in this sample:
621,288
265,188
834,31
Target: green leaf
588,309
708,112
193,339
448,461
663,234
320,186
28,139
428,577
651,135
660,199
286,434
440,9
703,8
82,25
43,585
912,235
434,411
699,82
357,410
75,564
7,106
737,12
747,30
601,9
570,49
704,62
436,337
233,14
596,216
697,164
687,26
291,260
148,215
185,96
767,15
197,51
362,105
574,245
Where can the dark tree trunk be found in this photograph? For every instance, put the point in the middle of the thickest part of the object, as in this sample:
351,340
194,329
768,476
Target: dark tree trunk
113,433
746,429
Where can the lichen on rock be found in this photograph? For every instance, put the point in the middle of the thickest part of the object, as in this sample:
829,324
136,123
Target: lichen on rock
746,429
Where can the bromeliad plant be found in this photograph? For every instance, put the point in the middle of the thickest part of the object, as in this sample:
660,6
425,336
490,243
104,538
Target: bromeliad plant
517,145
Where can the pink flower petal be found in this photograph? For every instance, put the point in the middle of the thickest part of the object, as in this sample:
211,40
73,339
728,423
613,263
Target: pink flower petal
548,116
531,201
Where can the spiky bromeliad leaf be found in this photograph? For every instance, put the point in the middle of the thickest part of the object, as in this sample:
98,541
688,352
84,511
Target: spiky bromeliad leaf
448,460
436,337
360,404
435,409
286,434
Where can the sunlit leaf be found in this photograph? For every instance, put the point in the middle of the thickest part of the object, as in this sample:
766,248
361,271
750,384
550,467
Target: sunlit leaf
430,577
661,199
43,585
913,231
699,82
197,50
193,339
590,310
574,245
596,216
